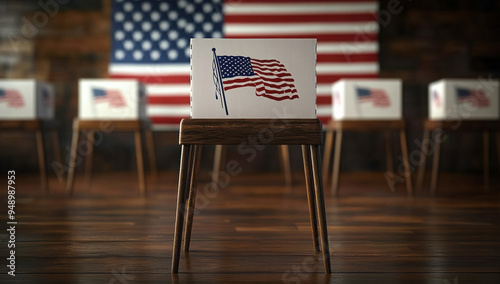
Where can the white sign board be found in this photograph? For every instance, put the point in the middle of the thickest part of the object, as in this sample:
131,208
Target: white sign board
111,99
369,99
463,99
25,99
253,78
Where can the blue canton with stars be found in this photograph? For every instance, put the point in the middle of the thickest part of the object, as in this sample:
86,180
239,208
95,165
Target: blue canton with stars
153,31
232,66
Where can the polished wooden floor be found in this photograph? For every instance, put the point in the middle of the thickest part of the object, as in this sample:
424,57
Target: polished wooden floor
255,230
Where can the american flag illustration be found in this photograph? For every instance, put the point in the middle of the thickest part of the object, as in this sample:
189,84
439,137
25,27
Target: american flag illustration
475,97
12,97
150,42
336,98
47,100
269,77
378,97
113,97
436,98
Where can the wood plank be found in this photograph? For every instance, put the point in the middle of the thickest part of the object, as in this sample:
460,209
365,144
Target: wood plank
107,126
122,273
251,131
256,232
463,125
17,125
366,125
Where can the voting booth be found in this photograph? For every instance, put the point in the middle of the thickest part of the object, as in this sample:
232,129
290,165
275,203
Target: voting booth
27,105
367,99
262,79
111,99
25,99
366,105
244,89
464,106
256,79
466,99
111,105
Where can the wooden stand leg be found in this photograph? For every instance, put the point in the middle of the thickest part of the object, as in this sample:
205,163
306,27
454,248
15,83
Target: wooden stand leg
336,163
320,206
435,164
140,162
311,197
284,154
486,159
191,200
423,159
388,152
327,155
72,159
498,150
389,158
41,160
219,158
181,200
151,153
406,164
56,146
89,158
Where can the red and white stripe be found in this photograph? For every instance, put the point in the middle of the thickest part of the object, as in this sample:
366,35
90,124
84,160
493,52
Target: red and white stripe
347,34
436,98
113,97
380,98
13,98
477,98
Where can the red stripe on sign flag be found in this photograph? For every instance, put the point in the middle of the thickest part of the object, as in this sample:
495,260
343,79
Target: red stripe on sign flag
151,42
12,97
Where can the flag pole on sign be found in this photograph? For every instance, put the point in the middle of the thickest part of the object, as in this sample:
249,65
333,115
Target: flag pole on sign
215,77
219,87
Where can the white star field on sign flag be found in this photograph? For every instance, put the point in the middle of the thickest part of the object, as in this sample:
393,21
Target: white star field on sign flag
232,66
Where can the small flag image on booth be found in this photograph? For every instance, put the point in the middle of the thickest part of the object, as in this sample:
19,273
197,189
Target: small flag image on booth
11,97
436,99
48,100
378,97
113,97
367,99
475,97
117,99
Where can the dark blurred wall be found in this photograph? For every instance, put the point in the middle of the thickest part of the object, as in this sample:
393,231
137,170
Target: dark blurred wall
424,41
430,40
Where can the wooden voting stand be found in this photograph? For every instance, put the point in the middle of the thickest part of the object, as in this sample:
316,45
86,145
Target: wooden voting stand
387,126
484,126
284,156
37,126
135,126
194,133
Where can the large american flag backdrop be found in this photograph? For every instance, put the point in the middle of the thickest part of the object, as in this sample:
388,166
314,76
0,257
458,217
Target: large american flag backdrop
151,42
